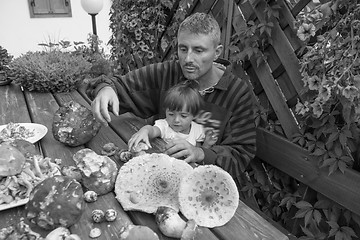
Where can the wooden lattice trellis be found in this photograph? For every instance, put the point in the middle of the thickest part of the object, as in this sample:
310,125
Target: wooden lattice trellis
277,86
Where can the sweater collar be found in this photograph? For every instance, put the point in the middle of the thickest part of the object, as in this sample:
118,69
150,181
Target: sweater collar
224,81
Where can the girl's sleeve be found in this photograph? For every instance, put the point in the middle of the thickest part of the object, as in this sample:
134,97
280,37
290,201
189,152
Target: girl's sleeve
161,124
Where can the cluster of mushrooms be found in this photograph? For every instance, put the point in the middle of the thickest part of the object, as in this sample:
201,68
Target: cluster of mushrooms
181,197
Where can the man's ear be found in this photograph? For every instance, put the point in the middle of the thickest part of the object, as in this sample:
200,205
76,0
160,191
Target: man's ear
218,51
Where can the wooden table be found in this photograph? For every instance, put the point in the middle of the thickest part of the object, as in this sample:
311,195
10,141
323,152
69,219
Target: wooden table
22,106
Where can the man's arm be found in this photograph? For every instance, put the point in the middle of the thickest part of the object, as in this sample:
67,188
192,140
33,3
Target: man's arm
238,145
138,91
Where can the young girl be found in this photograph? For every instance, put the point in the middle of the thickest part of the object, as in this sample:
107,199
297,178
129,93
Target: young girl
182,103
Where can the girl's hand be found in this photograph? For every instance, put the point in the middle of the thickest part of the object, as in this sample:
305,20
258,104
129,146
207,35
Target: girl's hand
141,136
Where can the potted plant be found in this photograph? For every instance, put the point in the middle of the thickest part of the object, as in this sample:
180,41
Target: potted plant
50,71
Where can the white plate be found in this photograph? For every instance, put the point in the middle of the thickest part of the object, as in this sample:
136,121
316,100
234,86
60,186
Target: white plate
39,131
14,204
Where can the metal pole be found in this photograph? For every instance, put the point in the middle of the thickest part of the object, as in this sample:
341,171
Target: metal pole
93,23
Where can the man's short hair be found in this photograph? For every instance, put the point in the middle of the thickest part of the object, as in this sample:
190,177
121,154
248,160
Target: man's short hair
202,23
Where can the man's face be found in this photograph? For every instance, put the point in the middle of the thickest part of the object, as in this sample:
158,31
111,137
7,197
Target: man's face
196,54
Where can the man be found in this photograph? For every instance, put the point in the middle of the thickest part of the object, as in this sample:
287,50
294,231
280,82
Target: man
228,104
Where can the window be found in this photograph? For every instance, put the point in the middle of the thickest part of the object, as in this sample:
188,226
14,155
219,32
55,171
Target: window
49,8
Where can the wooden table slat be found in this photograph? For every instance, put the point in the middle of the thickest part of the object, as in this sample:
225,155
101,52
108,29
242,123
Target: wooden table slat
247,224
12,105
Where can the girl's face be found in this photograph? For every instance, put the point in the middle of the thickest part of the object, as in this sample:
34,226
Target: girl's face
179,121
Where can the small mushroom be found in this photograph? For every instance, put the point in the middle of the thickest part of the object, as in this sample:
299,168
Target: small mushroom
190,230
169,222
140,147
95,232
90,196
72,237
98,215
110,215
133,232
209,196
58,233
109,149
125,155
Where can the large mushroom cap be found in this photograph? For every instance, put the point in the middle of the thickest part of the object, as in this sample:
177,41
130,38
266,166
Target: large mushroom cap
151,180
209,196
11,160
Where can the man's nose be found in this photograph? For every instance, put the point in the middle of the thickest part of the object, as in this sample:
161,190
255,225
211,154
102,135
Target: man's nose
189,56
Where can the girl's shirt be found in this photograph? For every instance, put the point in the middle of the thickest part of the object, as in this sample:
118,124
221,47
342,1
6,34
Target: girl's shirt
196,133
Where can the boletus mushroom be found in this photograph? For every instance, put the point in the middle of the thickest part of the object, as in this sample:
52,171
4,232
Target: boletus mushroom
98,172
55,202
74,124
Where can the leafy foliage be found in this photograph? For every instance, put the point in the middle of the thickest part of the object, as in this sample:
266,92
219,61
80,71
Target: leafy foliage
5,59
253,37
331,74
138,27
92,52
61,66
53,71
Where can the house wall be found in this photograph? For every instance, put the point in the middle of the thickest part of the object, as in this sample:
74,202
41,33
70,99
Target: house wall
19,33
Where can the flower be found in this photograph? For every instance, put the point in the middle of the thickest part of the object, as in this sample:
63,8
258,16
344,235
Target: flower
302,108
138,31
317,108
350,92
314,83
324,93
150,55
305,31
144,48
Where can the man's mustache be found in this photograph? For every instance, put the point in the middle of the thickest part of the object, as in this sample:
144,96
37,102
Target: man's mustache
190,65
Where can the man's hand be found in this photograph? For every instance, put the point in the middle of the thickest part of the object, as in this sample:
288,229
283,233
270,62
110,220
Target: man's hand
182,149
105,98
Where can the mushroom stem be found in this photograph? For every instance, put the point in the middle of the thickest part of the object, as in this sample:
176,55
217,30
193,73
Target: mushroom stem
169,222
37,167
190,230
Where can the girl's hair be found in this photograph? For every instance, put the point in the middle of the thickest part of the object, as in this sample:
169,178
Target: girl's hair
184,94
202,23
